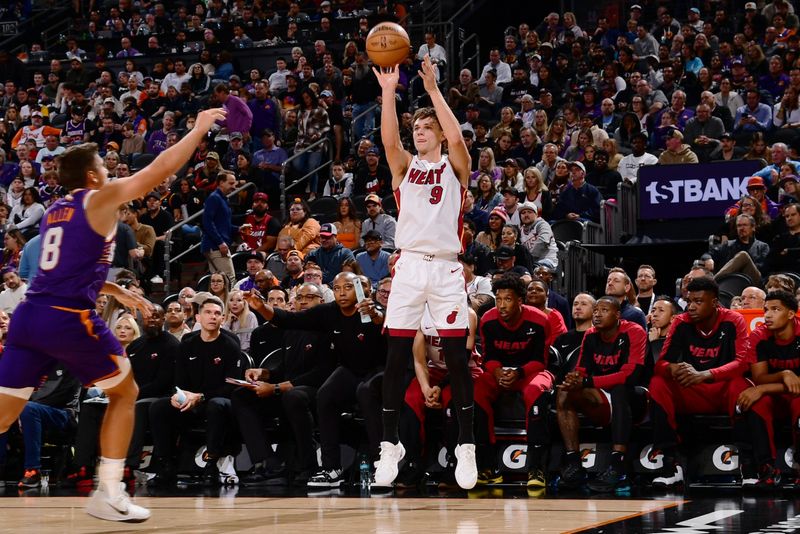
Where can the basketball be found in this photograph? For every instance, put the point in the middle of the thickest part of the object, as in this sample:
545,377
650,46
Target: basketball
388,44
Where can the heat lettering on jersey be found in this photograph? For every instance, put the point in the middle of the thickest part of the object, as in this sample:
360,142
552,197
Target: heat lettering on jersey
423,177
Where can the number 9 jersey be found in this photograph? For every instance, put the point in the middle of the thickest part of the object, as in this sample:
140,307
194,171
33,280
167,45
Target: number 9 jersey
74,260
429,202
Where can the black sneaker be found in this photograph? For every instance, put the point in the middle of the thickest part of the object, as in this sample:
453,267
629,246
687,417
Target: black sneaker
165,474
301,478
326,479
410,475
211,473
262,476
573,476
610,480
768,477
31,479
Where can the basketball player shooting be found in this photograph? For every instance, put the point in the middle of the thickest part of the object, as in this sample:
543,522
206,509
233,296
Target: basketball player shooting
429,188
78,233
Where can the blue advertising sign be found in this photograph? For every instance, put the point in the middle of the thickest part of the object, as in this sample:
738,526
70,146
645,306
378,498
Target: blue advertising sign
692,190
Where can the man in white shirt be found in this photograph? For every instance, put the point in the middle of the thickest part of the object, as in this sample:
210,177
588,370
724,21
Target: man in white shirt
479,288
502,69
177,78
629,165
14,292
436,51
277,80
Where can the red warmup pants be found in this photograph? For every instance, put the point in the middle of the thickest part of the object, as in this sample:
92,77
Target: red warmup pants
487,391
769,407
703,398
416,401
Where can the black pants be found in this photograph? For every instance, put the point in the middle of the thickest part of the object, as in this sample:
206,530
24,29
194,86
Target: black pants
293,407
87,442
167,423
339,392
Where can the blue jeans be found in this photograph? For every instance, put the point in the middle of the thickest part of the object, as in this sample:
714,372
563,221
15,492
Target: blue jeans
364,125
304,163
34,419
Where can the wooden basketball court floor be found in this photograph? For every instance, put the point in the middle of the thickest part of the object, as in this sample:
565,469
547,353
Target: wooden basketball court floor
332,515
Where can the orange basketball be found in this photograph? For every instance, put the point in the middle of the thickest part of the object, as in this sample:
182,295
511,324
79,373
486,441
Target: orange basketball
388,44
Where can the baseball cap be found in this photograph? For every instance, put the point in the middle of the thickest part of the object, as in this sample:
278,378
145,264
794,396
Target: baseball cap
374,150
255,255
694,10
48,157
726,135
755,182
737,61
503,253
327,230
77,110
235,77
527,206
750,5
536,56
76,58
373,234
113,145
577,164
510,161
109,100
152,194
260,196
295,253
212,155
636,6
471,107
789,178
326,93
236,135
372,197
324,3
673,132
36,113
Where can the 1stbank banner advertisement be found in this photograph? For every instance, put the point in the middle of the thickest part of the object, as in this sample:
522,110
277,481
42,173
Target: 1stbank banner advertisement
692,190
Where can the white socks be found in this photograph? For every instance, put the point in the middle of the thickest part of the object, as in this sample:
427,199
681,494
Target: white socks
110,474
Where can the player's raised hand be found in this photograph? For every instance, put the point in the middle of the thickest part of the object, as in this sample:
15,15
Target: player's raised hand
206,118
134,301
428,74
388,77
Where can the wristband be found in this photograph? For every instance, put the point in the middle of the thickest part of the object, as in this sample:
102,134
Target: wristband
277,390
587,382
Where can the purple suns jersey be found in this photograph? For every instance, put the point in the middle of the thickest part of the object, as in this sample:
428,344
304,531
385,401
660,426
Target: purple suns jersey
74,260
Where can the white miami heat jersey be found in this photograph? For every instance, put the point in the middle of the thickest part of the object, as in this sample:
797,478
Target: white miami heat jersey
429,201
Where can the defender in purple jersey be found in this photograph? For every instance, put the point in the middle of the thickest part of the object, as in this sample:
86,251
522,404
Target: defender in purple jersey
77,244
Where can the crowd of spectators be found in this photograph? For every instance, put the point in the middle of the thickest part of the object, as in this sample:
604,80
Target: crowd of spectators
554,121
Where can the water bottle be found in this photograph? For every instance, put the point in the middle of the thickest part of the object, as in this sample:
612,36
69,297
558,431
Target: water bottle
364,474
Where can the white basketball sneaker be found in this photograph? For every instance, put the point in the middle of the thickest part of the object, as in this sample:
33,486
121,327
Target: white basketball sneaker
466,469
120,508
386,468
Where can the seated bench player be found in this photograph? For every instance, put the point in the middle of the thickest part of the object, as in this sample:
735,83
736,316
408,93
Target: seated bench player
601,387
774,353
515,341
699,372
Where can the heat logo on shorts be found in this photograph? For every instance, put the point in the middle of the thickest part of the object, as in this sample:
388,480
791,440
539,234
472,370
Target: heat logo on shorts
452,317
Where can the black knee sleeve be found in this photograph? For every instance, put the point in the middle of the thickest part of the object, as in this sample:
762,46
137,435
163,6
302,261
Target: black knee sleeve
620,415
398,358
457,358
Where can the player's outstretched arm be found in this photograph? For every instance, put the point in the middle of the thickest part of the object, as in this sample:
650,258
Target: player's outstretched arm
105,202
458,154
397,157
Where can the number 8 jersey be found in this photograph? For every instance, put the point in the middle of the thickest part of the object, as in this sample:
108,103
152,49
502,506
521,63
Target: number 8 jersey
74,259
429,202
